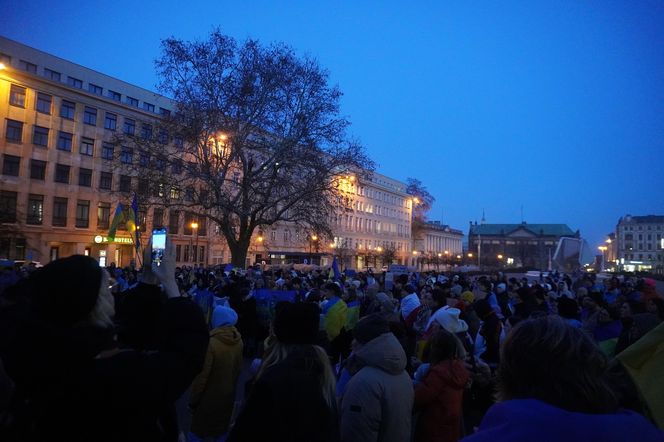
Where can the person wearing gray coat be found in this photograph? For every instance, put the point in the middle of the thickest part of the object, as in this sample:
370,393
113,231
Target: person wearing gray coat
377,402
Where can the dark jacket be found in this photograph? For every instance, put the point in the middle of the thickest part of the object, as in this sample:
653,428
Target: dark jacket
80,386
286,404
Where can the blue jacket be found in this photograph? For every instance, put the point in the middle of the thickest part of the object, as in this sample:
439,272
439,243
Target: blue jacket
527,420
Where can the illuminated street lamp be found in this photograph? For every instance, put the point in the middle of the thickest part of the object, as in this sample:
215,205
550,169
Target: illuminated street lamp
312,239
194,250
500,256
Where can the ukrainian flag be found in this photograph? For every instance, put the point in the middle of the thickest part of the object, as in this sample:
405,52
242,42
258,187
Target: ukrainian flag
353,314
334,317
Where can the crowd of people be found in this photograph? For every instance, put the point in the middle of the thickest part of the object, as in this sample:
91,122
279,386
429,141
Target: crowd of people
91,353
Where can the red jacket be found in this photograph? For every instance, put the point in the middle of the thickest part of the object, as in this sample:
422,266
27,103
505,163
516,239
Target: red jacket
439,399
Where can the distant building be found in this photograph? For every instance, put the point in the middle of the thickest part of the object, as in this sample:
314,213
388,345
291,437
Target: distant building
640,246
438,242
521,245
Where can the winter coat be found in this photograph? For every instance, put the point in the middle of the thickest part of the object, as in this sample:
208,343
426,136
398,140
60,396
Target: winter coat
439,399
286,404
213,391
378,400
528,420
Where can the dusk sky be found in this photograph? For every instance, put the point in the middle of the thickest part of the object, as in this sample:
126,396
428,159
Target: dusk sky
556,107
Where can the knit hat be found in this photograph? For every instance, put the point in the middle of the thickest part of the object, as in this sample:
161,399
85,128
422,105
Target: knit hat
296,323
370,327
449,320
66,290
223,316
502,287
468,296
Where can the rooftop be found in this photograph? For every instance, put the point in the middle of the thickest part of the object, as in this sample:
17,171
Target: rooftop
537,229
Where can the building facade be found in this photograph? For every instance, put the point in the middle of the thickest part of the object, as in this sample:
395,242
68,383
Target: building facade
520,245
639,244
438,244
61,175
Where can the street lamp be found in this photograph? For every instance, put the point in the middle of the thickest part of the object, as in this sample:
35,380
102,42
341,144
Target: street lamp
194,250
603,249
312,239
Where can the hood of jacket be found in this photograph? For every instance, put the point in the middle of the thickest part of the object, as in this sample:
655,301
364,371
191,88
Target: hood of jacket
384,352
453,371
227,334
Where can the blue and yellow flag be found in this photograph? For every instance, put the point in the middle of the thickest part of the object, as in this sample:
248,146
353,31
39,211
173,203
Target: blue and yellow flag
353,314
133,218
334,317
118,217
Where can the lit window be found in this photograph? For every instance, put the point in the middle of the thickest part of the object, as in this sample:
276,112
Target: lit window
17,96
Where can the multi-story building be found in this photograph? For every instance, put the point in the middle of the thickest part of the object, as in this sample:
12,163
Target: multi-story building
438,243
527,245
640,243
376,219
61,175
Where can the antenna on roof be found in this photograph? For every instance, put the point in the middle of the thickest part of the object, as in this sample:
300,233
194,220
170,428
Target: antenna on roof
521,213
483,217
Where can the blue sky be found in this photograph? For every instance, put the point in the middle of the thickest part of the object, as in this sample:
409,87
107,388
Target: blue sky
556,107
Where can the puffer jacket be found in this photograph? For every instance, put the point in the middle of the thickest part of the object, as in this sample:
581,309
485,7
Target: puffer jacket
213,391
378,400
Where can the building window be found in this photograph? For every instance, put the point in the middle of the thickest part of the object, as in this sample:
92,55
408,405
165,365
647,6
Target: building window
107,151
111,121
35,209
146,131
144,159
178,252
43,104
143,186
105,180
173,221
125,183
87,146
7,206
131,101
40,136
75,82
157,218
37,169
148,107
85,177
59,212
90,116
14,132
82,213
127,154
176,167
103,215
10,165
114,95
164,112
61,173
97,90
163,136
186,253
27,66
67,109
129,126
51,74
65,141
17,96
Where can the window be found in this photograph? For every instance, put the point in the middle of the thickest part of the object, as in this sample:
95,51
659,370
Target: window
85,177
59,212
37,169
17,96
90,116
125,183
129,126
40,136
146,131
105,180
143,186
27,66
6,59
82,213
175,193
103,215
186,253
173,221
148,107
107,151
43,104
67,109
61,173
87,146
157,218
65,141
127,155
75,82
10,165
201,256
131,101
114,95
177,166
144,159
14,132
35,209
51,74
111,121
164,112
178,252
97,90
163,136
7,206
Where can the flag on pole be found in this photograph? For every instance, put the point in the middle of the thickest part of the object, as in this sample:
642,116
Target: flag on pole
134,217
335,270
118,217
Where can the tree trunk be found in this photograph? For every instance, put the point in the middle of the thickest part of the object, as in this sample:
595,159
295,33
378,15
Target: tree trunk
239,254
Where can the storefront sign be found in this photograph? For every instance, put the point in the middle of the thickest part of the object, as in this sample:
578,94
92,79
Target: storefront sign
105,240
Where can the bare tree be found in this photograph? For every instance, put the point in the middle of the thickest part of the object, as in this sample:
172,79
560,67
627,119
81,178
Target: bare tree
389,255
422,202
257,138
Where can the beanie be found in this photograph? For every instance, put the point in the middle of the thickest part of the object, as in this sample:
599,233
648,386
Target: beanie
370,327
66,290
223,316
296,323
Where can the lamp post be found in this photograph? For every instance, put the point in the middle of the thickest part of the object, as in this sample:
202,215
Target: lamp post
312,239
194,250
603,249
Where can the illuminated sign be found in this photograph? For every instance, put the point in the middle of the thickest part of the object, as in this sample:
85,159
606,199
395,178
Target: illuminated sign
105,240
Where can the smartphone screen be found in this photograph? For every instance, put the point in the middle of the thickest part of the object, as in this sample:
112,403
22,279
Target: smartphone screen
158,246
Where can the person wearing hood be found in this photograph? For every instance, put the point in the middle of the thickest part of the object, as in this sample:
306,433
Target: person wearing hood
439,396
377,402
213,391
